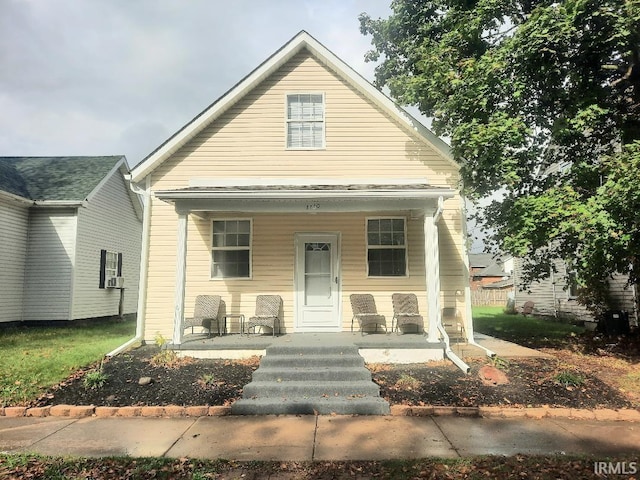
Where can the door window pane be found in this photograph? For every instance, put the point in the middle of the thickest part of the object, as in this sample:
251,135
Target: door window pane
317,272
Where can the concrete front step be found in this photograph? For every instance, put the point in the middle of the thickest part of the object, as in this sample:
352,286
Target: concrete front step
293,361
342,349
311,406
311,380
310,388
280,374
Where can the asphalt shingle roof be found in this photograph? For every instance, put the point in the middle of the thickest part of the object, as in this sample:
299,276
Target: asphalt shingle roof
54,178
481,260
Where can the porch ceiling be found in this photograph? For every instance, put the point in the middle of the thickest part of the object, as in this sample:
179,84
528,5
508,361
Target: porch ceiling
306,198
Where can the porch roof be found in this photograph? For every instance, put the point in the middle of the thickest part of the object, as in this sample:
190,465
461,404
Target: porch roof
310,198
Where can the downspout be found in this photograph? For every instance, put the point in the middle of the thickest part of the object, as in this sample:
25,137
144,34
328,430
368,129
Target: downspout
144,262
439,209
449,353
467,289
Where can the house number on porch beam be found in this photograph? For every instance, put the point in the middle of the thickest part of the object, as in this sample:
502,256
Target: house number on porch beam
313,206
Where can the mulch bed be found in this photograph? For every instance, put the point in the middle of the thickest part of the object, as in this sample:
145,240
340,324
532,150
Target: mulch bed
188,382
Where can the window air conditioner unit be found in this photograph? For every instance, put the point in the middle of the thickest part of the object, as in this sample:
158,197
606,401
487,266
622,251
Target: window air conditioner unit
115,282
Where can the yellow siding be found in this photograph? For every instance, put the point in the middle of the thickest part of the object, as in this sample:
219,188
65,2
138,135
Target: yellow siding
249,140
273,259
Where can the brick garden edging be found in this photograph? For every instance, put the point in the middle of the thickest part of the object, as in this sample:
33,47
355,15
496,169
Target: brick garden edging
81,411
623,414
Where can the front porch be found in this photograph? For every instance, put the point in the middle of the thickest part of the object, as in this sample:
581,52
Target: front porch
374,348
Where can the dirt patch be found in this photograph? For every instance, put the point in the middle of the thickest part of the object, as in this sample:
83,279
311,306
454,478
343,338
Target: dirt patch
535,382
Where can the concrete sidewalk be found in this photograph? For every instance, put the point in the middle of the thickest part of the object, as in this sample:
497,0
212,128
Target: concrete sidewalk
308,438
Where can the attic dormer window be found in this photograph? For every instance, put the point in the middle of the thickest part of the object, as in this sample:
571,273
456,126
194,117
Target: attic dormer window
305,121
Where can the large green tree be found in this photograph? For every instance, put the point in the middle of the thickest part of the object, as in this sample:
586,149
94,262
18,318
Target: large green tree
541,102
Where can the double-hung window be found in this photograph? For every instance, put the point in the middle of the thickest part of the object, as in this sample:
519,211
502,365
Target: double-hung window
111,265
231,249
110,268
386,247
573,285
305,121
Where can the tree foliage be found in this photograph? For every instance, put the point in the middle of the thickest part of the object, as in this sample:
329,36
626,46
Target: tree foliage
541,101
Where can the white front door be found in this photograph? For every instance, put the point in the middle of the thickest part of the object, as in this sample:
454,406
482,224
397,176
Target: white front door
317,282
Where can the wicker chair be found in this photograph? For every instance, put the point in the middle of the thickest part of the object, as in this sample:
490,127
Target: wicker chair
453,324
267,313
364,310
207,310
405,312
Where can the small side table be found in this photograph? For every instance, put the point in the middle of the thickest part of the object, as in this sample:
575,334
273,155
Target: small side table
239,316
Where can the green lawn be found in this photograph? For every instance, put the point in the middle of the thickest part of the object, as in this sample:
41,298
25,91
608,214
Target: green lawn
35,358
530,331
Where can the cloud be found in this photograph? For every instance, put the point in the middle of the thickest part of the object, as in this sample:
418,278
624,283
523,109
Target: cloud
121,76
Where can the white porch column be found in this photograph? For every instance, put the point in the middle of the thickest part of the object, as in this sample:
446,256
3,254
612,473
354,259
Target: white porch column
432,273
181,274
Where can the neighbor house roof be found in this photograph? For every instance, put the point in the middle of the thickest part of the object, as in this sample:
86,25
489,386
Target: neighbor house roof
493,270
487,264
507,282
70,179
301,41
480,260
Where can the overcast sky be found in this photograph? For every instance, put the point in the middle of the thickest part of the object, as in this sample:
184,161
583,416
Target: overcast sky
107,77
118,77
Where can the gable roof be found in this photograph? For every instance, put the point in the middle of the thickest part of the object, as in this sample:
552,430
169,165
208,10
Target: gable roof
301,41
56,179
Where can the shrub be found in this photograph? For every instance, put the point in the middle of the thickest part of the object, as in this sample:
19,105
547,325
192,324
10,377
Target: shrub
499,363
160,340
207,380
95,380
568,378
408,382
165,358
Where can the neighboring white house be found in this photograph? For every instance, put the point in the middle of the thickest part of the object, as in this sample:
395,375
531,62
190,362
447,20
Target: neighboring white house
71,232
557,295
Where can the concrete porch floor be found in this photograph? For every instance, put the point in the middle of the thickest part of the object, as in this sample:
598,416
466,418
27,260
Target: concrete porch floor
375,347
378,347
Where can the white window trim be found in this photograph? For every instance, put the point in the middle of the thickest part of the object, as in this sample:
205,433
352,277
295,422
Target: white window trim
571,273
286,121
211,248
110,272
378,247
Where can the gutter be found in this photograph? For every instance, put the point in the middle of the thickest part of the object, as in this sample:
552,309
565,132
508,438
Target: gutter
342,194
60,203
144,262
16,198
